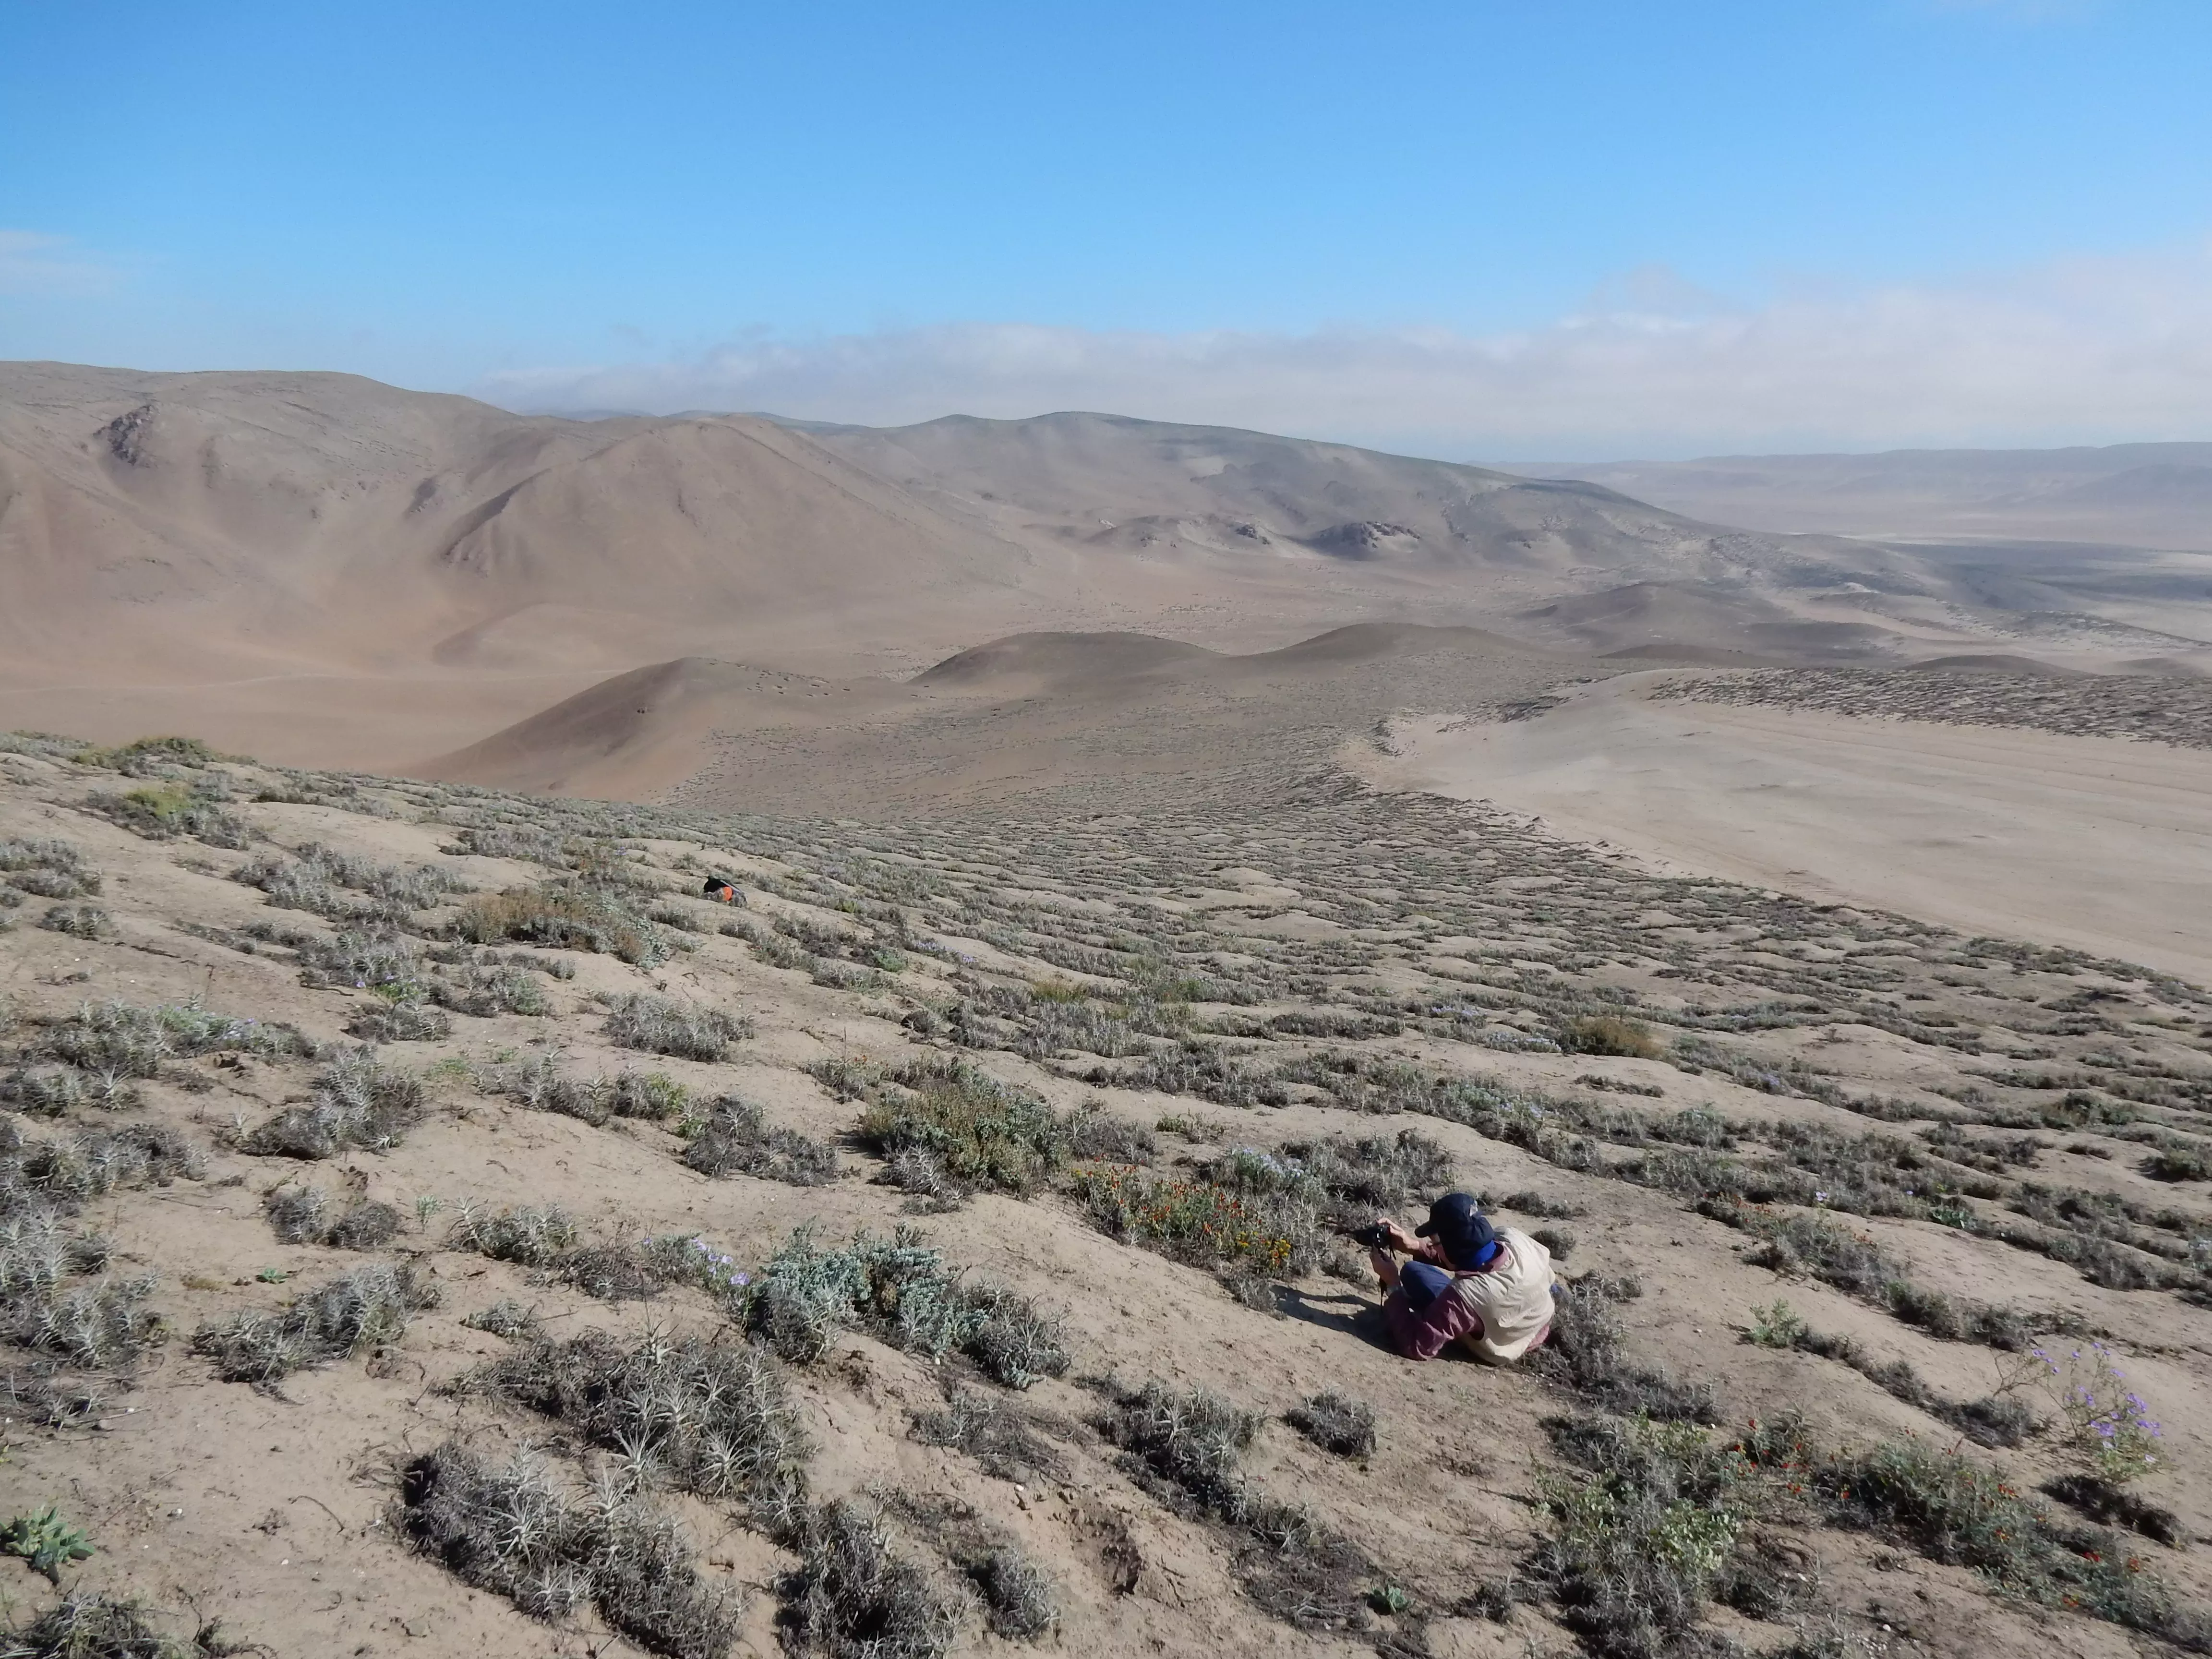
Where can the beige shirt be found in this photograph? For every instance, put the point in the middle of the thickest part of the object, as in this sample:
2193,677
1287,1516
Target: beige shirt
1512,1297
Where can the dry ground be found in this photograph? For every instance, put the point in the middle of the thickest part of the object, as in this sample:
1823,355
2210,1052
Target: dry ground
1937,1148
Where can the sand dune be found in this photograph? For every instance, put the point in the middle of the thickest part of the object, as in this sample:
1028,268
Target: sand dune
1031,714
2096,843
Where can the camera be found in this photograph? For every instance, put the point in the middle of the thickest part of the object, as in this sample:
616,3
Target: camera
1376,1234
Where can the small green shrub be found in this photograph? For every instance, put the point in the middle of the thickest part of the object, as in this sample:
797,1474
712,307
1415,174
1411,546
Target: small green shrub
898,1290
1776,1325
46,1541
977,1130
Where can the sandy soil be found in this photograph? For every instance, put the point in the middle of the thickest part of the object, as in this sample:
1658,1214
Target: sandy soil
2096,842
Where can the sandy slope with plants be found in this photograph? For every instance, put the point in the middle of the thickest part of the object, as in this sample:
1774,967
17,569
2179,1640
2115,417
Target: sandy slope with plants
430,1227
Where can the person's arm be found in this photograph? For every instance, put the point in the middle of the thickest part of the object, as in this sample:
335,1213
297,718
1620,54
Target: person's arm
1427,1332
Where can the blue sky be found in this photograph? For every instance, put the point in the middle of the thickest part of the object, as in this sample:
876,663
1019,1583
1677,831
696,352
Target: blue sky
1579,228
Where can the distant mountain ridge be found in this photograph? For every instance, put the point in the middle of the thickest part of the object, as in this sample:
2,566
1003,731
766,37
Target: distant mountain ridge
2153,494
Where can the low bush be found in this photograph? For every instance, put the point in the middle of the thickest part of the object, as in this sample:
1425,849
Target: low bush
977,1130
115,1041
47,869
703,1415
898,1290
515,1530
655,1025
486,992
736,1139
1335,1422
370,1306
358,1101
505,1318
400,1022
529,1236
79,921
855,1595
304,1215
1610,1034
164,811
98,1626
313,878
572,916
1097,1136
1017,1598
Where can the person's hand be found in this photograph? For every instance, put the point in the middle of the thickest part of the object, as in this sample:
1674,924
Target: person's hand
1402,1241
1385,1265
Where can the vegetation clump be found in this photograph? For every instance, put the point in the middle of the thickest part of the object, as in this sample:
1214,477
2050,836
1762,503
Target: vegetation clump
1335,1422
656,1025
517,1530
736,1139
368,1307
165,812
897,1289
949,1119
568,915
855,1595
358,1101
701,1414
102,1626
304,1215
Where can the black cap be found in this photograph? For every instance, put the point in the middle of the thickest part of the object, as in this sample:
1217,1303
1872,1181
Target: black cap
1457,1224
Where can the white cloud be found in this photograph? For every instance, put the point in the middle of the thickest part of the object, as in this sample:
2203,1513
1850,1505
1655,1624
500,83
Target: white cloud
2084,351
32,262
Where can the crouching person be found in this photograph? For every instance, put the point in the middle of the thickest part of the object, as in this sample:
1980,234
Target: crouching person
1488,1289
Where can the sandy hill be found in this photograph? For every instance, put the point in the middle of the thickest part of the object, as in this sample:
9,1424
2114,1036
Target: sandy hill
318,567
1046,716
